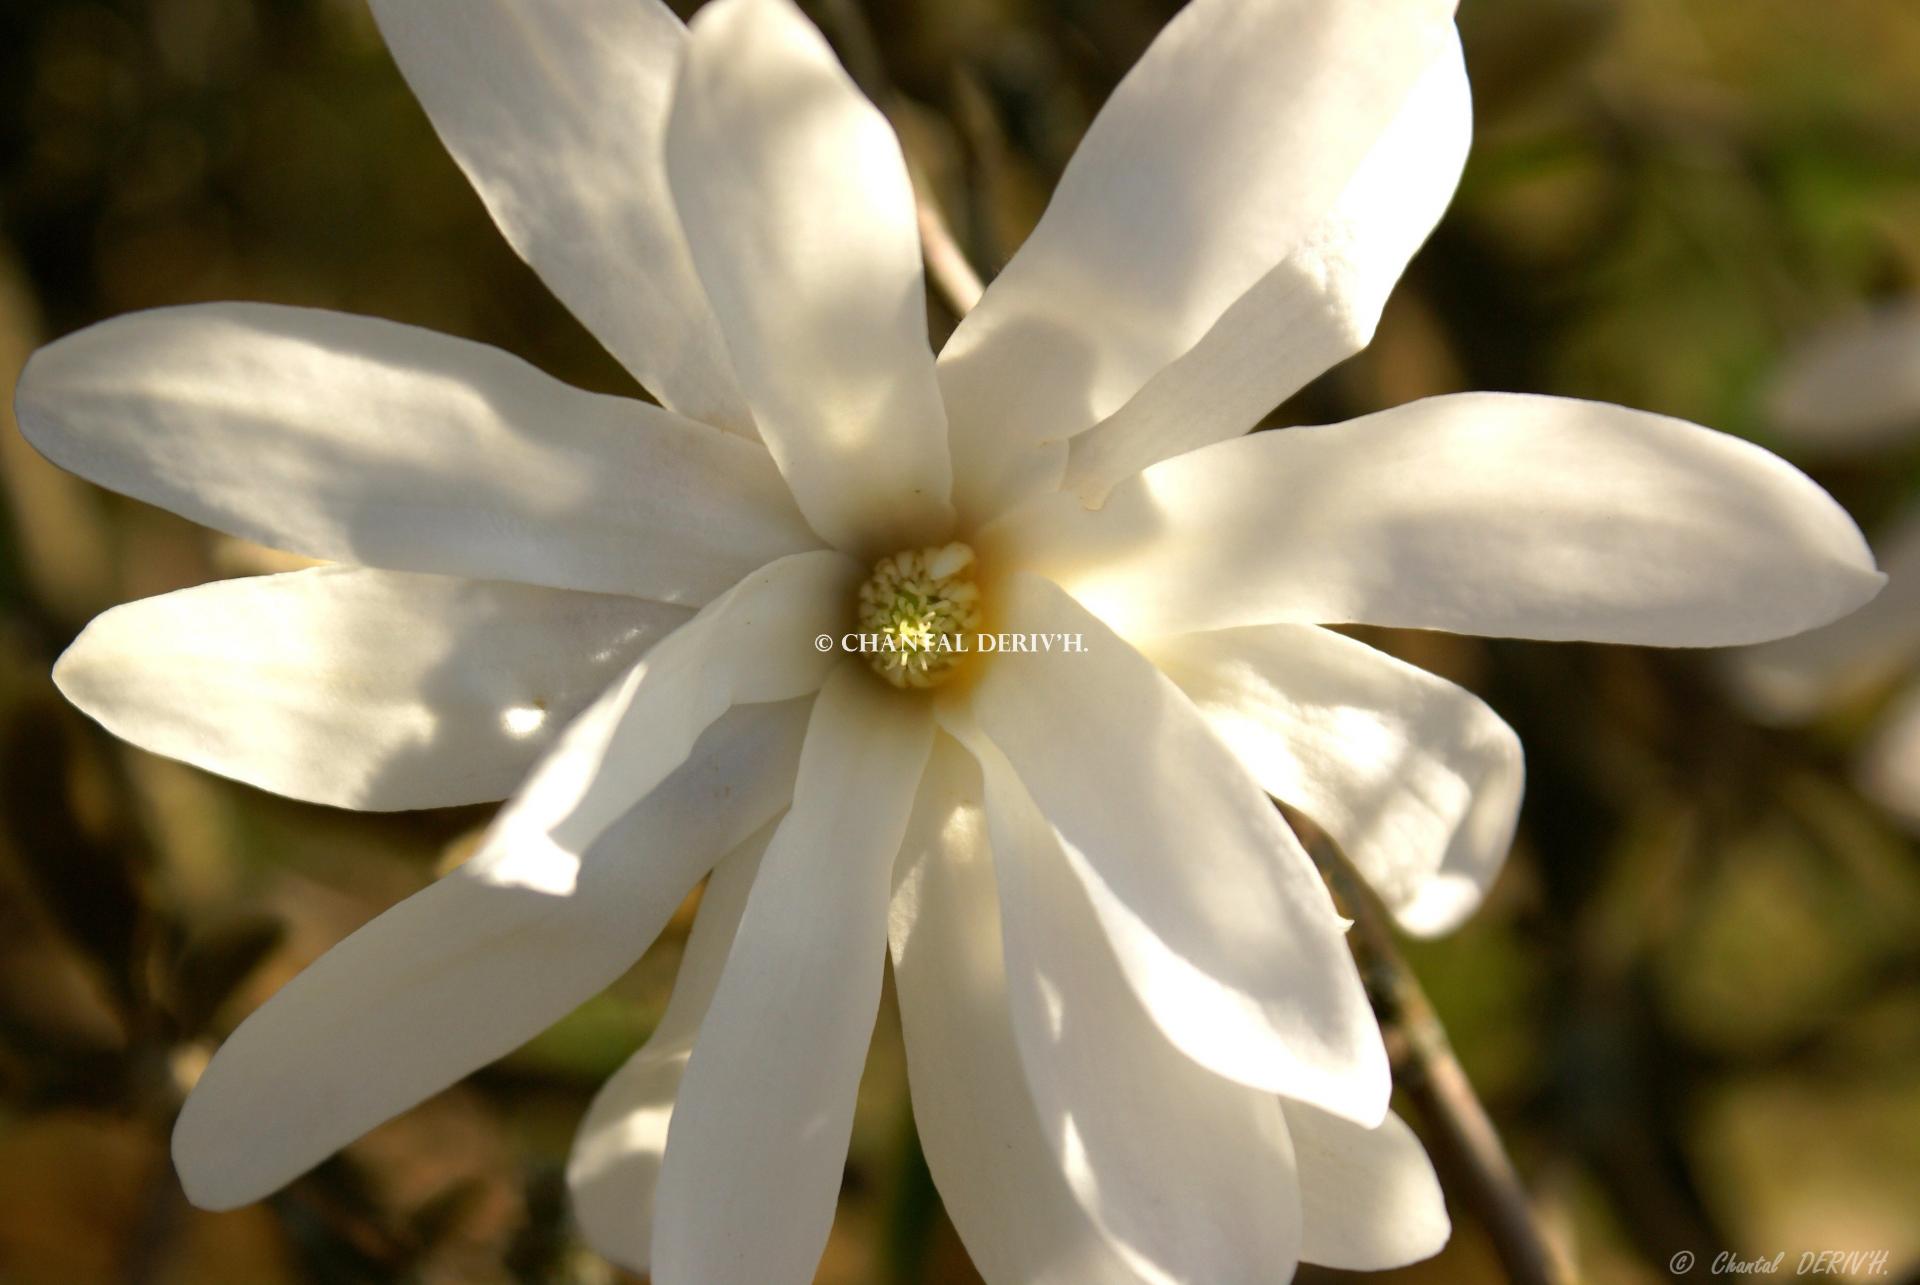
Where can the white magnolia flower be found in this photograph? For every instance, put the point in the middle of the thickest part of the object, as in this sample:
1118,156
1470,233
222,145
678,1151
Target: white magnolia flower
1849,391
1111,953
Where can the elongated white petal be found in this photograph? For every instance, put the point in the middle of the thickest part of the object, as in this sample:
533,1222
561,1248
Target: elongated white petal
1852,387
557,113
801,219
753,643
358,440
1794,678
364,689
1219,919
1317,308
1193,1174
759,1136
464,971
1218,156
1485,513
1889,767
614,1170
1416,779
1002,1185
1369,1197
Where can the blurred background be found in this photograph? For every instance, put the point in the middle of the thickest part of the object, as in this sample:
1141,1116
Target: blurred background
1693,1003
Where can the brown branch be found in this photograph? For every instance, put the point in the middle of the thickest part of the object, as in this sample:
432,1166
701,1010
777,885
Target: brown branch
947,267
1424,1064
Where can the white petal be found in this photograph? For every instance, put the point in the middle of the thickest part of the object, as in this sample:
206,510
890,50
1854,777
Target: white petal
1317,308
358,440
1191,1173
1793,679
1370,1198
801,219
759,1136
557,113
1219,919
1853,387
1218,156
615,1166
1001,1183
1889,767
1416,779
753,643
464,971
1486,513
364,689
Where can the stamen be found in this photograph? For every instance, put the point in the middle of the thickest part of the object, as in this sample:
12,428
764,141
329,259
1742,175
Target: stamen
919,608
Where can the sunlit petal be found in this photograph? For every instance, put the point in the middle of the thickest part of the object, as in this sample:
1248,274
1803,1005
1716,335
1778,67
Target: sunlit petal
1190,1174
1369,1197
614,1169
760,1132
1217,157
1000,1182
466,970
1318,307
1486,513
557,113
358,440
801,219
364,689
753,643
1415,778
1219,918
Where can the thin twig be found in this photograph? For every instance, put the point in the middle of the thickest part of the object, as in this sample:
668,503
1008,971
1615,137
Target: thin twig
947,267
1425,1066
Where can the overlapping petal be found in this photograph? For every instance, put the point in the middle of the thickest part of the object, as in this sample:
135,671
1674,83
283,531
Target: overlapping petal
614,1170
800,216
752,1170
1192,1174
1000,1182
1369,1198
1219,919
358,440
375,690
1486,513
557,114
1415,778
753,643
1217,157
1318,307
467,969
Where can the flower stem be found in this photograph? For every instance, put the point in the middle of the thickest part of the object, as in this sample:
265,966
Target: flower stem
1458,1127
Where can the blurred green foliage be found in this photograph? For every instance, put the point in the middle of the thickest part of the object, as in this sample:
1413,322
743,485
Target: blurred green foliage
1693,1004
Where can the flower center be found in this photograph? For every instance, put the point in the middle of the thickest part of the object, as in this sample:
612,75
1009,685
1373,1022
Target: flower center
917,610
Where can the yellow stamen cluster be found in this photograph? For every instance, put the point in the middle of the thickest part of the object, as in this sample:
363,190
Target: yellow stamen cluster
917,610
